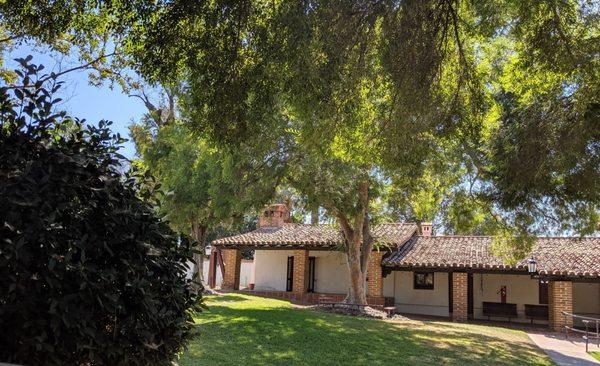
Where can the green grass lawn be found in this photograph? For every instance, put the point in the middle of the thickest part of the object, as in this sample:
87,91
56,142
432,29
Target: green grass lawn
246,330
596,355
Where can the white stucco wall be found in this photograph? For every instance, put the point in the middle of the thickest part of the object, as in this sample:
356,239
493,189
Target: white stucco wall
399,284
268,272
388,284
331,270
246,272
520,290
270,268
205,265
586,298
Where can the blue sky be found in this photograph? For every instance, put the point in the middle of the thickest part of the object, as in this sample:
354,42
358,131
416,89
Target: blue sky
86,101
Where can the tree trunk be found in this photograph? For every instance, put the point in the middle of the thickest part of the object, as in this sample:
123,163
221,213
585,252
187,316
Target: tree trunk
367,245
197,233
357,291
314,216
358,245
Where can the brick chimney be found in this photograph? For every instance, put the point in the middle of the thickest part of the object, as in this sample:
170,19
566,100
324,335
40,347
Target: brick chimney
274,216
425,228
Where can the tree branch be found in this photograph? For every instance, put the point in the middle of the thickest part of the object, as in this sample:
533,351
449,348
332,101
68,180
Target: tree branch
346,228
144,98
11,38
562,35
362,206
54,76
367,245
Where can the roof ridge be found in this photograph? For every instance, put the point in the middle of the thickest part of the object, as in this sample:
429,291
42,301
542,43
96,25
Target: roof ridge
567,237
325,224
456,236
564,256
491,236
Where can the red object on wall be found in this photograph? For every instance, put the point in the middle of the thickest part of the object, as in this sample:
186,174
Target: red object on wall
503,294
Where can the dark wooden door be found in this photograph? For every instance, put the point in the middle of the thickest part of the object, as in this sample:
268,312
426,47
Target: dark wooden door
311,274
450,300
470,295
543,292
289,284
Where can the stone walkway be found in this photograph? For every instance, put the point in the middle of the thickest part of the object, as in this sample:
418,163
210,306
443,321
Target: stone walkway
569,352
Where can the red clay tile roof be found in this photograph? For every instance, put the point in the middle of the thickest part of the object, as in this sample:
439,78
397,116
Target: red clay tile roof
555,256
314,236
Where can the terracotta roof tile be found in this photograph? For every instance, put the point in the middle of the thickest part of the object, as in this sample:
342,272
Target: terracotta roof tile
566,256
314,236
561,256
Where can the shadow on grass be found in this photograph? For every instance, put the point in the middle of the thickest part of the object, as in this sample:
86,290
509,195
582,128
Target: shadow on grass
280,335
230,298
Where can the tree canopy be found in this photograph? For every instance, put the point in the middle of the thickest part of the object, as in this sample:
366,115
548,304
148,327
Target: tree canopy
206,188
493,103
515,81
480,114
510,86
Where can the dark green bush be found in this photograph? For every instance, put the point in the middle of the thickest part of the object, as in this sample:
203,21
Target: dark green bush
88,273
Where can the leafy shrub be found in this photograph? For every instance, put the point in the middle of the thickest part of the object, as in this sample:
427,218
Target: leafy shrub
88,273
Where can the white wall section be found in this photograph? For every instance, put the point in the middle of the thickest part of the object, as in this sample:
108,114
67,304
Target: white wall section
414,301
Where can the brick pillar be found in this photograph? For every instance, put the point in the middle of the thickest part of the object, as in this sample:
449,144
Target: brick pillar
560,298
232,261
374,275
300,278
459,296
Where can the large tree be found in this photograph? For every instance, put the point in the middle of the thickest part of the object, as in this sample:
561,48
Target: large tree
328,107
206,188
364,97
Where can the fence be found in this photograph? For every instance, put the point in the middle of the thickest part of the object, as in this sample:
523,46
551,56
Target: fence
587,323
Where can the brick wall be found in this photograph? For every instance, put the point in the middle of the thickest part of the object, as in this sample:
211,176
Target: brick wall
300,278
232,260
374,275
560,298
459,296
274,216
